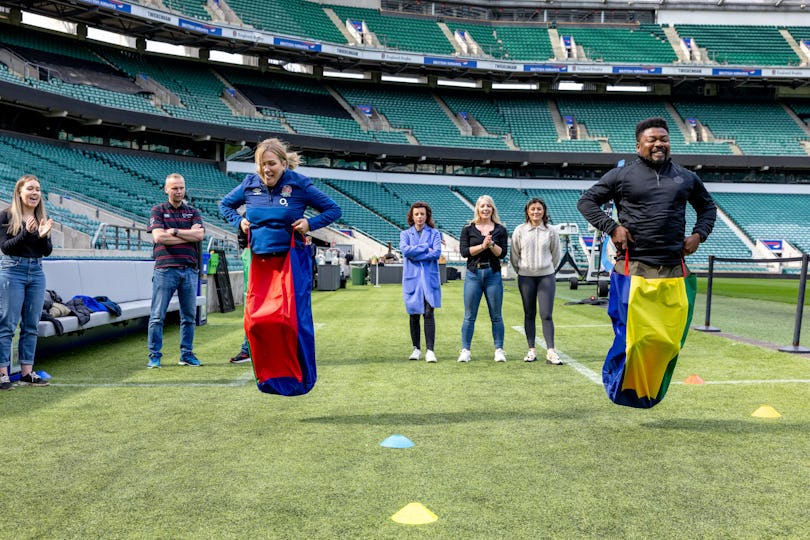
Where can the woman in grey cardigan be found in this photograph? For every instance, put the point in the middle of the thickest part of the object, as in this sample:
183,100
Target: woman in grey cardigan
535,255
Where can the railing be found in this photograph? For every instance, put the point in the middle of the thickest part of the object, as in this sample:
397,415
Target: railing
117,237
795,347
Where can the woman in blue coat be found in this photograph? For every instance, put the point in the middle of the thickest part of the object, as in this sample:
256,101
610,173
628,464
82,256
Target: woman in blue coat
421,247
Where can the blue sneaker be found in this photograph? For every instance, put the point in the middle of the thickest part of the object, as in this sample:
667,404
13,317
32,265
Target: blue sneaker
190,360
153,363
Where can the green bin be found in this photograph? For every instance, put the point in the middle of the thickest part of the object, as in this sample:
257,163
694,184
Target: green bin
359,274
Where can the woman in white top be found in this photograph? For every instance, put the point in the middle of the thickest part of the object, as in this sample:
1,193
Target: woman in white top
535,255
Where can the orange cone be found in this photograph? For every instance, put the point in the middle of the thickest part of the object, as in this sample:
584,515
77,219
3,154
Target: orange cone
693,379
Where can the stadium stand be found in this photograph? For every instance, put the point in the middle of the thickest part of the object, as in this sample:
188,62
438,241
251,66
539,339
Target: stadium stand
776,216
98,177
60,65
532,127
605,117
291,17
356,216
449,211
525,43
741,45
397,32
288,104
278,103
376,197
645,43
757,128
191,8
418,111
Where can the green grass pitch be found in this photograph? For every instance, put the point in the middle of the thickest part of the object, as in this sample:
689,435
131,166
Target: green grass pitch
515,450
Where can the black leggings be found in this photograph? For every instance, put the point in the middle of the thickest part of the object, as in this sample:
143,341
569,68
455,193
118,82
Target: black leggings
430,328
538,290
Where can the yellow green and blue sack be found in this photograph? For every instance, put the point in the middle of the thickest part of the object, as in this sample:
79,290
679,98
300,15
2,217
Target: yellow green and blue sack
650,318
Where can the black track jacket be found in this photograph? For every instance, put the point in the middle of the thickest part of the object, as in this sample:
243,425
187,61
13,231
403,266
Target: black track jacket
651,204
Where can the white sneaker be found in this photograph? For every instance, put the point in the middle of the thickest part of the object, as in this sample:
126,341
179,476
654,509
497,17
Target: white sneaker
464,356
531,356
415,355
500,356
553,358
430,357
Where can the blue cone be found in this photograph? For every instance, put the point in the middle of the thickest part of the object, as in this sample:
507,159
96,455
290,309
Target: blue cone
397,441
43,374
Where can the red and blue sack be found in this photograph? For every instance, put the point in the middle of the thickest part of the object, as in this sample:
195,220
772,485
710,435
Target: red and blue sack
278,321
651,319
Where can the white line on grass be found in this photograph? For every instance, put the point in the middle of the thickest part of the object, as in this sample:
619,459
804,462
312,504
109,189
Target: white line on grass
597,378
583,325
241,380
155,385
587,372
756,381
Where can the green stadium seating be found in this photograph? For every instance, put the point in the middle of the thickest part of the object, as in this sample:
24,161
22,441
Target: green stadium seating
396,32
450,213
645,44
288,17
758,128
770,216
741,45
191,8
358,217
615,118
532,127
418,111
522,43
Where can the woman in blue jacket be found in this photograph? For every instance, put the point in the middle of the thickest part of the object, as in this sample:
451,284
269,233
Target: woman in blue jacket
275,199
421,246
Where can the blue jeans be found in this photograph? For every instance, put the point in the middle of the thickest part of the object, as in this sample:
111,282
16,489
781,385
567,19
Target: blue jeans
477,283
165,282
22,294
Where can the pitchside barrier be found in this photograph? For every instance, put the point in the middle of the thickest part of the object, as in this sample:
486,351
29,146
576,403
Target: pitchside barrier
797,327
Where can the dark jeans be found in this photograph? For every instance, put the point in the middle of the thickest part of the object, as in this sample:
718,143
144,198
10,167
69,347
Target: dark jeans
165,282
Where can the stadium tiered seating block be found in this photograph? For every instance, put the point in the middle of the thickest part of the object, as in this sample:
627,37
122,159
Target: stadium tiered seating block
396,32
741,45
615,119
758,128
770,216
645,44
288,17
532,128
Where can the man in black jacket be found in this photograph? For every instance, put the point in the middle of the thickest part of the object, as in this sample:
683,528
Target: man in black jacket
651,194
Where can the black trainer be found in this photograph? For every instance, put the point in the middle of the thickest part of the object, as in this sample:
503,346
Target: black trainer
240,358
32,379
5,383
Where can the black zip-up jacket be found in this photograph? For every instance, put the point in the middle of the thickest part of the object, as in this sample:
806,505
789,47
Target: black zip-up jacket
651,204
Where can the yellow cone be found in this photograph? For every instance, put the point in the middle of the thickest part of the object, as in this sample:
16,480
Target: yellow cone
414,514
766,411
